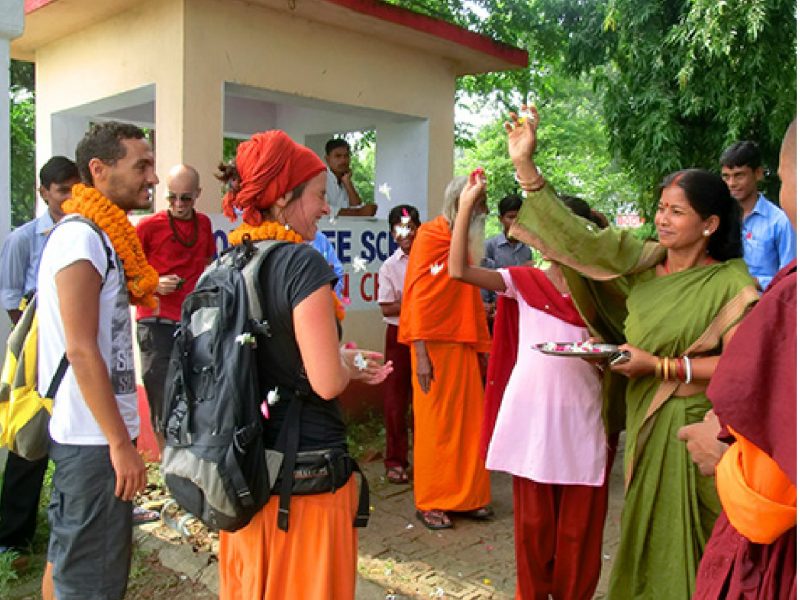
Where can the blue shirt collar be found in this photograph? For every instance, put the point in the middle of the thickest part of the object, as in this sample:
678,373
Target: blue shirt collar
44,223
758,207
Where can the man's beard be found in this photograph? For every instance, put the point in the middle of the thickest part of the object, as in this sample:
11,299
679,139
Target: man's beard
477,234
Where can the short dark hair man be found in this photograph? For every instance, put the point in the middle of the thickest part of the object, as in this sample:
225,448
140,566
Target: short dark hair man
19,266
342,195
767,236
178,243
85,283
501,250
23,247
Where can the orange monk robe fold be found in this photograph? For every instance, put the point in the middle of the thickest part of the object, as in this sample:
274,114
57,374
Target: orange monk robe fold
449,317
759,499
436,307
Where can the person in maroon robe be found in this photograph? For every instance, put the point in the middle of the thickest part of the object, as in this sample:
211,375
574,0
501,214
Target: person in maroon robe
752,552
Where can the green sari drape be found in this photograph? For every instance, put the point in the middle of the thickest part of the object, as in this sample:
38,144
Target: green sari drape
670,508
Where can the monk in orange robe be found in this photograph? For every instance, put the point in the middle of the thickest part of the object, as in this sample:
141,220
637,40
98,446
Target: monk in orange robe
444,322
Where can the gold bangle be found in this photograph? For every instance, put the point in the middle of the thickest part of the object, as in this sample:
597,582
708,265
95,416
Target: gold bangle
657,374
533,186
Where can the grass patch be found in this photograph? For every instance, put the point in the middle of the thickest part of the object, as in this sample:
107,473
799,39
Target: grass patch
366,438
8,573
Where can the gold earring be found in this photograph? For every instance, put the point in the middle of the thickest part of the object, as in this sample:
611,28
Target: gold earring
706,232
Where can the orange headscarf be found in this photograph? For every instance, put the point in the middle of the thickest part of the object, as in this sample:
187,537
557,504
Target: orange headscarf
270,164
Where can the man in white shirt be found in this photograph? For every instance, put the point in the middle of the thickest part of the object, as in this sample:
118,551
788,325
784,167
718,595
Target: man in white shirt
84,316
341,193
403,221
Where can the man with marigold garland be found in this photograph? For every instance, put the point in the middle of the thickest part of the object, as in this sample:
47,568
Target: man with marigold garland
92,267
178,243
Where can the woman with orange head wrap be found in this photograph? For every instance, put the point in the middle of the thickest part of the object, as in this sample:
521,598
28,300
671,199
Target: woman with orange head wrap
279,188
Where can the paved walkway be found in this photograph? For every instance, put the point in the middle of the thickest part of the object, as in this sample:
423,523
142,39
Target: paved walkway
400,559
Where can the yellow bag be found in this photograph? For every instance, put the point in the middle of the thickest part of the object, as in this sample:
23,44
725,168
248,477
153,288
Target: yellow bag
24,413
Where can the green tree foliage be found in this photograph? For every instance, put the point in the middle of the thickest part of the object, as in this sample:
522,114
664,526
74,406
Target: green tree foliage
362,163
679,79
22,121
682,79
572,151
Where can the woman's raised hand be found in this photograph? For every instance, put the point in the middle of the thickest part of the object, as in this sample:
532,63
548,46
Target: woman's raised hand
473,191
522,134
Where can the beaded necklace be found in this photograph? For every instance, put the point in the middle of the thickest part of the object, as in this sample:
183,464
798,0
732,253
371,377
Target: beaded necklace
195,230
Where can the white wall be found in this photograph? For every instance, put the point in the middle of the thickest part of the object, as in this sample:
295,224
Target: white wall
11,20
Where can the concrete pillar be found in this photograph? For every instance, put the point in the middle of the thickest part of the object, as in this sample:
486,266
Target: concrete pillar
65,133
11,20
189,129
401,161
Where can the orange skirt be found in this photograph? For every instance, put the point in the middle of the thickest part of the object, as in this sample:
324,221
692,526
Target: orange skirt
449,473
314,560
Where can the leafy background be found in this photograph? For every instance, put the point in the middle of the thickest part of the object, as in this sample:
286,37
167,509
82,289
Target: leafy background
628,90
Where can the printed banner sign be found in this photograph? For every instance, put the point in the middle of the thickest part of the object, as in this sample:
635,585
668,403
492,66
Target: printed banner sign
353,238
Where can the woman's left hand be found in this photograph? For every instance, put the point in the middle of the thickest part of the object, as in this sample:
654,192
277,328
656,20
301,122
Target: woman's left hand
641,364
474,190
366,365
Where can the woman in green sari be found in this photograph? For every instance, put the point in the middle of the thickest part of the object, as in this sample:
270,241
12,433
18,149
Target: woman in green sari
672,305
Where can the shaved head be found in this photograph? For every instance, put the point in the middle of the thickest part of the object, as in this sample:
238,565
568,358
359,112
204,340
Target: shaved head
184,171
787,171
183,188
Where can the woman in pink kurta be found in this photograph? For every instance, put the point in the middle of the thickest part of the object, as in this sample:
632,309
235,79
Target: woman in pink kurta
549,428
549,433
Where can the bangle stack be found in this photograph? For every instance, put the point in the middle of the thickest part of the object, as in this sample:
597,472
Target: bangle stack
531,185
674,368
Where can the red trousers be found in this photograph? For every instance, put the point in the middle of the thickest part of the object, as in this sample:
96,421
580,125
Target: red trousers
396,400
558,537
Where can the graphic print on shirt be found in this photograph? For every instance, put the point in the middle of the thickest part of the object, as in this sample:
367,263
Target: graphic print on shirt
123,377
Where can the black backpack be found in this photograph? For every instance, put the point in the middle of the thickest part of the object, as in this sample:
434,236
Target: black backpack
214,461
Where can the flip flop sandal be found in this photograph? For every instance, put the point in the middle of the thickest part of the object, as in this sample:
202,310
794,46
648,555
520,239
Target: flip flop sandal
434,519
143,515
397,475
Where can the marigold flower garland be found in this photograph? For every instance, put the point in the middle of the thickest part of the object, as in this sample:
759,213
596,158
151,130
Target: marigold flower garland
267,230
140,278
271,230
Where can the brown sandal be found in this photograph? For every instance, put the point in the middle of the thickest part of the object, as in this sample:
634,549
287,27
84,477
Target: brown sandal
397,475
434,519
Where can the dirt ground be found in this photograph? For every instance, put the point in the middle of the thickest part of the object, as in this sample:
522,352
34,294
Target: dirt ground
155,582
149,580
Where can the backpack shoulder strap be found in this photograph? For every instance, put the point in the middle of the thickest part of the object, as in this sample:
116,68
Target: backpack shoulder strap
250,273
63,364
109,252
